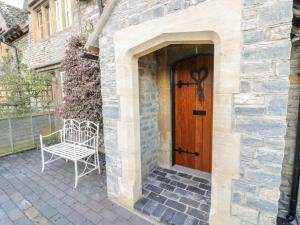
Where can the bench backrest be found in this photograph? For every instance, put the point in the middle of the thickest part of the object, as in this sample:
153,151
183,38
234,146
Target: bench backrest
85,133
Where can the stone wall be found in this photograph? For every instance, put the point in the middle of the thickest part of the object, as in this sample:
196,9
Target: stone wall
261,109
290,139
149,109
126,13
51,49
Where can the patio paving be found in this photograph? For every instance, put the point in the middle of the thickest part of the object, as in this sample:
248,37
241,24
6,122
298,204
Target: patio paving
28,196
177,196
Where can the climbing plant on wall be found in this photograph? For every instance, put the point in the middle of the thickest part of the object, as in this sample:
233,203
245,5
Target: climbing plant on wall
81,84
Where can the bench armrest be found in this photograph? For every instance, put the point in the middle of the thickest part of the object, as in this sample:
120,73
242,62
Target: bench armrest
48,135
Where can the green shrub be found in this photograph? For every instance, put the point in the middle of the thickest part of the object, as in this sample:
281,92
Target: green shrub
25,92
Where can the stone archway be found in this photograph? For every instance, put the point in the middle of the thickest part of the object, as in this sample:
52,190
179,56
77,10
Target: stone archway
134,42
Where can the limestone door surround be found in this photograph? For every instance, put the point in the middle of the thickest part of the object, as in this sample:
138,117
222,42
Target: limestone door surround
209,22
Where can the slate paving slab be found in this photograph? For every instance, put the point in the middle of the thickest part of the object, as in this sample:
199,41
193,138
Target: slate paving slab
176,198
29,197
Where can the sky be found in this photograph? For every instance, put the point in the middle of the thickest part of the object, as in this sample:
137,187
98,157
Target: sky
17,3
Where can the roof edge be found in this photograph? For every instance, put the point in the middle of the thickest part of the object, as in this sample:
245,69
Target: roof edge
92,43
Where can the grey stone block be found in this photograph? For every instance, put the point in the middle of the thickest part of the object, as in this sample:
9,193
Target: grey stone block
15,214
251,141
244,186
76,218
149,207
195,190
23,221
179,218
170,171
237,198
256,68
201,180
251,37
160,173
64,209
264,179
191,221
168,216
167,187
247,110
170,195
261,126
48,211
277,86
264,205
93,217
163,179
157,197
140,203
175,205
159,210
184,175
175,5
275,14
269,157
277,105
183,192
189,202
153,188
197,213
178,184
204,208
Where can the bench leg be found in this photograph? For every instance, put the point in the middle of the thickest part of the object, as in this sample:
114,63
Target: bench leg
76,174
43,160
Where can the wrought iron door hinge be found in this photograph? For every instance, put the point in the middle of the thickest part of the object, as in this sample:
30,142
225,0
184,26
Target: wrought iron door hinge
181,150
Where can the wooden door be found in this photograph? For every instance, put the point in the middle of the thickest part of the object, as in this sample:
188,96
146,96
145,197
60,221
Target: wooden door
192,116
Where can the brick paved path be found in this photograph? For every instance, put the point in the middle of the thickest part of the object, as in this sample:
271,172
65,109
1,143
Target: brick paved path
28,196
177,198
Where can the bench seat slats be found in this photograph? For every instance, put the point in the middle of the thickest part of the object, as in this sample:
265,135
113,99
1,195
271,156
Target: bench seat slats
66,150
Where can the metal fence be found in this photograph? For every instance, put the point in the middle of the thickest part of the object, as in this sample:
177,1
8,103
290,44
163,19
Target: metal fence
22,133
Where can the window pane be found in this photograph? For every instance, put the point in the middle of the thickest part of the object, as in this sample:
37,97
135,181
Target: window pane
48,18
40,24
58,15
68,13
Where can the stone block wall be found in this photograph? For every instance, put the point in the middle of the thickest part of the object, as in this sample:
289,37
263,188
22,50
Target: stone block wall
51,49
149,109
261,109
126,13
290,139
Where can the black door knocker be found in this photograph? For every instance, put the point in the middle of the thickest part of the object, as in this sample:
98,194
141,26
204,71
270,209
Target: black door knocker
199,75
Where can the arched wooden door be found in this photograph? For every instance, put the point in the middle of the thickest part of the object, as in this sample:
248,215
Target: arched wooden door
192,112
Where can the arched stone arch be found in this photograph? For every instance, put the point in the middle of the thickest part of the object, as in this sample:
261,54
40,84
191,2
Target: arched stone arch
136,41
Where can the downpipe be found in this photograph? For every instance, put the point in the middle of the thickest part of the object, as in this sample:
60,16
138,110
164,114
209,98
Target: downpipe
296,174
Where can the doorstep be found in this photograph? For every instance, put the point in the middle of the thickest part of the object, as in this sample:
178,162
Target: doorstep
177,196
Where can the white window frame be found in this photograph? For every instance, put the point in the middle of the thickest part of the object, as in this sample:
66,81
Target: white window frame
48,11
68,13
58,12
40,23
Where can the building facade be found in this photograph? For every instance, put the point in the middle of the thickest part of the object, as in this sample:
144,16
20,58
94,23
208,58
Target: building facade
252,124
49,25
211,86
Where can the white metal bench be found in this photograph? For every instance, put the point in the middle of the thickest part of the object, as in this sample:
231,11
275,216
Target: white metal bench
78,141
